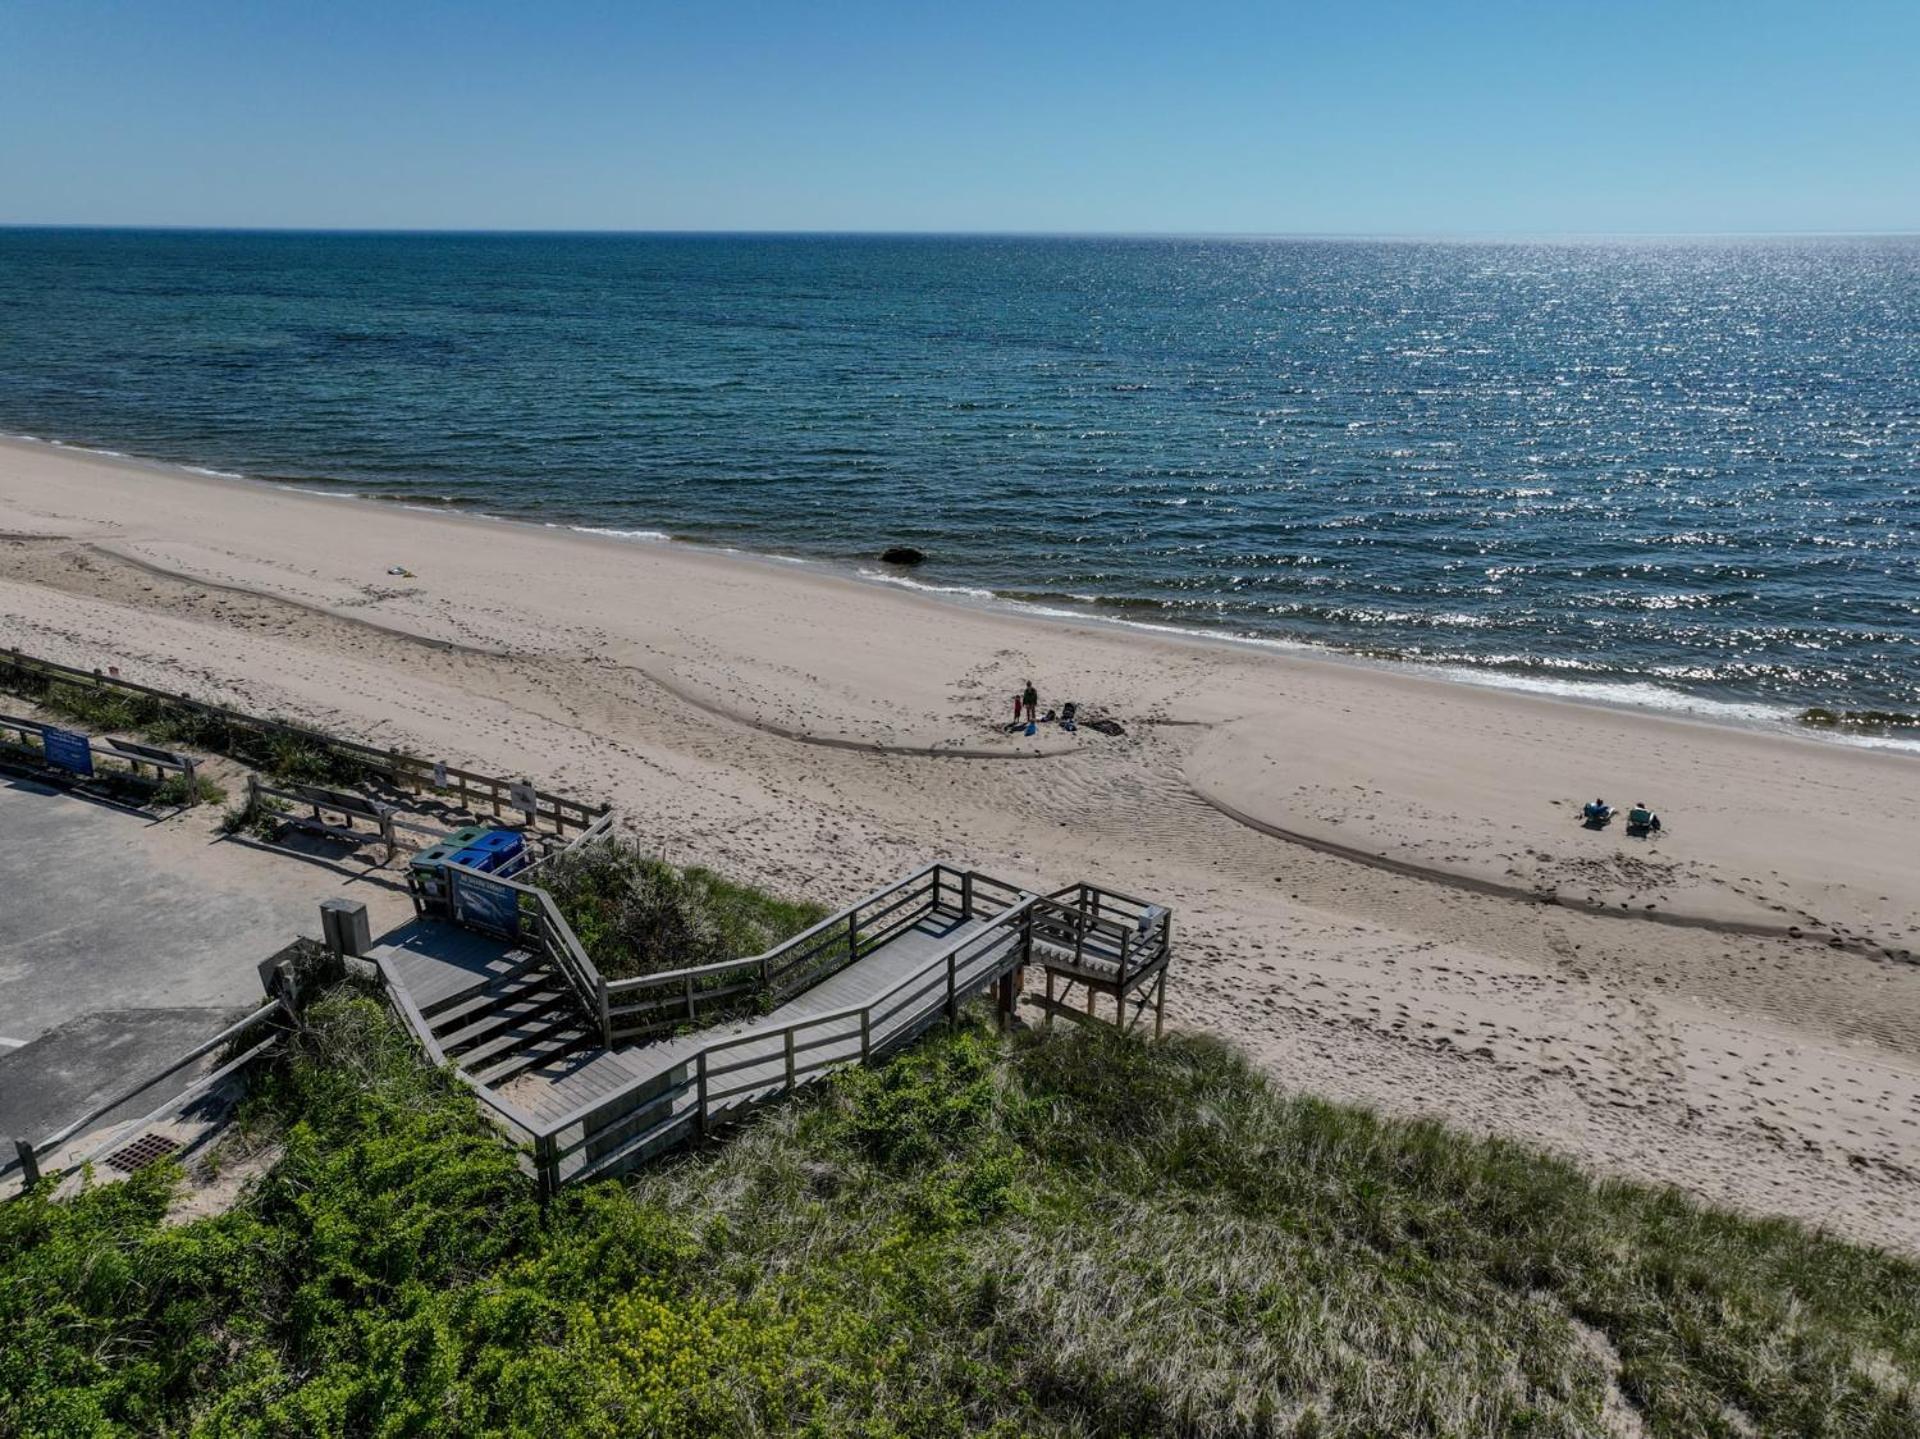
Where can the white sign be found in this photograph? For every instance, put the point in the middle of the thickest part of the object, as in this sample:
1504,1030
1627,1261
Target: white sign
439,774
523,796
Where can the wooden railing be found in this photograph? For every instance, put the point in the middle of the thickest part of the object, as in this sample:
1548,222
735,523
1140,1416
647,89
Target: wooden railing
694,1084
655,1003
818,1042
688,1094
517,911
28,1153
644,1006
27,674
1102,932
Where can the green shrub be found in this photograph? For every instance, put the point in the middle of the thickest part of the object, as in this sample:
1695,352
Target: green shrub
1064,1235
258,815
635,914
174,790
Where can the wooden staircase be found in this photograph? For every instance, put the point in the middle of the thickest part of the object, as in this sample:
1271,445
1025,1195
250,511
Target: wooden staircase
516,1018
526,1015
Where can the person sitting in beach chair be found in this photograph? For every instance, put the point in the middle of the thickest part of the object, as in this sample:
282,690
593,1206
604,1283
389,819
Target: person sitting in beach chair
1641,821
1596,815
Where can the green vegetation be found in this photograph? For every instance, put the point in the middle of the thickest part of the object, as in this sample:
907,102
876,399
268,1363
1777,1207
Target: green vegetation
105,709
258,815
174,790
635,914
1075,1234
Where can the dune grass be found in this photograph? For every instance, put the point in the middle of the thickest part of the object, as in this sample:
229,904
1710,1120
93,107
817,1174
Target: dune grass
635,914
1073,1234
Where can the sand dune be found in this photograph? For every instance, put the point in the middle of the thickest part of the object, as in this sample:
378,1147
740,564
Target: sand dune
1379,884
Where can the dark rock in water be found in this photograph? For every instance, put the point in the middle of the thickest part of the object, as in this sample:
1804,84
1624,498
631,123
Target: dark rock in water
903,555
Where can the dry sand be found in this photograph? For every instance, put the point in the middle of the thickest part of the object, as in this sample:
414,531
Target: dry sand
1380,886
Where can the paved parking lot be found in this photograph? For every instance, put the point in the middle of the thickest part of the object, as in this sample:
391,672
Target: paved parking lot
125,941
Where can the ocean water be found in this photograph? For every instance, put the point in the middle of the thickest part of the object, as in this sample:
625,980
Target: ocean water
1674,473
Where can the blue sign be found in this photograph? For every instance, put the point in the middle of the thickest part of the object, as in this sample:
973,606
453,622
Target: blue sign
485,903
68,750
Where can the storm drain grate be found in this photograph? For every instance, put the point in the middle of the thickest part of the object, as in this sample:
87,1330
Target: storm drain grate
142,1152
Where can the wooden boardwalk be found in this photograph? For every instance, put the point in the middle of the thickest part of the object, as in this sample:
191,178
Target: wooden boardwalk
555,1090
555,1074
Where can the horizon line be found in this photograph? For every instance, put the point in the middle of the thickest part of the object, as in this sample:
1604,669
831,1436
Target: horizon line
1428,236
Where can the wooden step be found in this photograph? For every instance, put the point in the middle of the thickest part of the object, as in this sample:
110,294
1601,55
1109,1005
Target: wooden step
477,1007
517,1036
550,1047
529,1003
518,962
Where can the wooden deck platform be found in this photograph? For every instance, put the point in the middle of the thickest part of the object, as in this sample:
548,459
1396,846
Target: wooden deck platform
436,962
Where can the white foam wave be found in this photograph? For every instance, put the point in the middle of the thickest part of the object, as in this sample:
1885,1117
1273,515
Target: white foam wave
902,582
651,535
310,490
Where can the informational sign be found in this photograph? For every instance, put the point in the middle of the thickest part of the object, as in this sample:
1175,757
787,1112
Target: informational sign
523,797
68,750
439,774
485,904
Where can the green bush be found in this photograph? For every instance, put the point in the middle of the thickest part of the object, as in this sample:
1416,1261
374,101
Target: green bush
258,815
174,790
635,914
1065,1235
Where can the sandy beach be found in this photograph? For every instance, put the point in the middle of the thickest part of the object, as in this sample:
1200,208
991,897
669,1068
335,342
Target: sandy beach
1380,884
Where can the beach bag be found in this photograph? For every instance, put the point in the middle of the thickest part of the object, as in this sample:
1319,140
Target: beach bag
1032,728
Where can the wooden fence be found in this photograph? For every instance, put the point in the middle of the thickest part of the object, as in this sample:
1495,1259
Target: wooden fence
472,791
38,741
28,1154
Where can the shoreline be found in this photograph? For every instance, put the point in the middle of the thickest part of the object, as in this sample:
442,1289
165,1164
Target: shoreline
1360,857
1780,718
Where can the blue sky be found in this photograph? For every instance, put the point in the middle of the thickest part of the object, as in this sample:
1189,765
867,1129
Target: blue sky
1186,116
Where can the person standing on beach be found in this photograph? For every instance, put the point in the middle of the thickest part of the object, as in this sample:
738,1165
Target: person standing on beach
1030,697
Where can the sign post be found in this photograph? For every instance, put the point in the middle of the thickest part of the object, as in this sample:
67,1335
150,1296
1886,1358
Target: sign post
525,799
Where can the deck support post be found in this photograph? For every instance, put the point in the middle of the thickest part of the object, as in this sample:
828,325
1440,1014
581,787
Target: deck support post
866,1035
789,1060
29,1163
1160,1006
1048,1022
966,894
700,1112
1005,993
